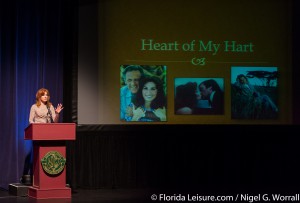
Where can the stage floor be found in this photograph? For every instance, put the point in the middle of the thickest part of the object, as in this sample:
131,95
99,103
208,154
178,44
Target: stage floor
85,195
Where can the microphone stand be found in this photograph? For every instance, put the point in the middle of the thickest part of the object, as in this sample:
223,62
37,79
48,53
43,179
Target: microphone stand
49,112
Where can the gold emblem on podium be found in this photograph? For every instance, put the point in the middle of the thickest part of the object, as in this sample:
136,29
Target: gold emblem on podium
53,163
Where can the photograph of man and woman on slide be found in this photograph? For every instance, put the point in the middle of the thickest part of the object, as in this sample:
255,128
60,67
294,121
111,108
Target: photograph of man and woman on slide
143,94
199,96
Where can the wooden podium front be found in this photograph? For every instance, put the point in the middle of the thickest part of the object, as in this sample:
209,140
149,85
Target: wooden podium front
49,158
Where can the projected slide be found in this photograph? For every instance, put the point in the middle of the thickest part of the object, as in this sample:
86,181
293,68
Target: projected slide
189,62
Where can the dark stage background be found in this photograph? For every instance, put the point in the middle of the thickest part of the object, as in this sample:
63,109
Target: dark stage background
36,51
39,49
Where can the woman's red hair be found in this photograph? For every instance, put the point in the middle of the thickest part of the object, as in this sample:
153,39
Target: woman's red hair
41,92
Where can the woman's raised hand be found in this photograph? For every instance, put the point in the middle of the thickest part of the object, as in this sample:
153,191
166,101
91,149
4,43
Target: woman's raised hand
59,108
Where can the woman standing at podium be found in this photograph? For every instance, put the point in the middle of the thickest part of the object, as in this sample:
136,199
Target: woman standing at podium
43,111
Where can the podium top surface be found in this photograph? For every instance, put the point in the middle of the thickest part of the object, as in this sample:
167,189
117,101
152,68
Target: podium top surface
50,131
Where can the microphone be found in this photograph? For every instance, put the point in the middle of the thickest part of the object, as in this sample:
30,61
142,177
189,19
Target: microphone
49,112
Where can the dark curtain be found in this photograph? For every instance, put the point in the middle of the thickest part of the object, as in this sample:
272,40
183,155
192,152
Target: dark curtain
32,54
190,157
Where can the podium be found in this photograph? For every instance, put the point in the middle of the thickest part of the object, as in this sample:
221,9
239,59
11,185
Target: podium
49,158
